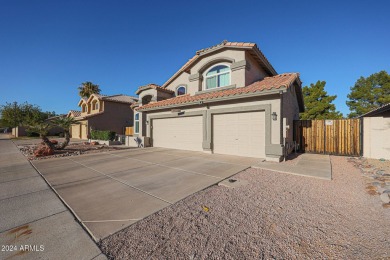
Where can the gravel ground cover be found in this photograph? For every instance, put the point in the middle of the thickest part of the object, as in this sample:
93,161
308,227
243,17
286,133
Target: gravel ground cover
377,177
274,216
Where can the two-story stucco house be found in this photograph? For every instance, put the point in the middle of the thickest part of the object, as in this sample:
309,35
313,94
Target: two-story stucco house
227,99
102,113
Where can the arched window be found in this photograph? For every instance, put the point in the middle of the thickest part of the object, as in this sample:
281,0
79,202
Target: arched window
95,105
217,76
181,90
84,108
146,99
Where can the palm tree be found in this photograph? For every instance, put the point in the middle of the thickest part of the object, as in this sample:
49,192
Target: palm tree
87,88
42,128
65,123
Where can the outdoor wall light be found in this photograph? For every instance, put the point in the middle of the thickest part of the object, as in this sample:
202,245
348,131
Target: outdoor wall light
274,116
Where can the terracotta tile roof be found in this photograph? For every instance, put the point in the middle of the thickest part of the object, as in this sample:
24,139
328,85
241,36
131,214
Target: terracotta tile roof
92,115
75,113
268,83
153,86
135,104
225,44
120,98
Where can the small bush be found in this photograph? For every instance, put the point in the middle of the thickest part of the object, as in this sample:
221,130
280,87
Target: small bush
59,134
102,135
31,134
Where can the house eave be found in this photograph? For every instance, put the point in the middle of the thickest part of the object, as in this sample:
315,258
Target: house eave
221,99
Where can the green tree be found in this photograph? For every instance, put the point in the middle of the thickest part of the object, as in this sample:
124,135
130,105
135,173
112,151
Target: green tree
65,123
318,104
86,89
14,114
42,128
369,93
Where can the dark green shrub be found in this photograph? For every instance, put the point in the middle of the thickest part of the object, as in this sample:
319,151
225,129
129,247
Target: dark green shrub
102,135
31,133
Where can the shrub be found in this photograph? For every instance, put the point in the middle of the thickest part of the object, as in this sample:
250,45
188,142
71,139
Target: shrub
31,133
102,135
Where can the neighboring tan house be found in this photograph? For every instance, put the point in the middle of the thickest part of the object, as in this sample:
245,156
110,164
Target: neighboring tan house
227,99
101,112
20,131
376,133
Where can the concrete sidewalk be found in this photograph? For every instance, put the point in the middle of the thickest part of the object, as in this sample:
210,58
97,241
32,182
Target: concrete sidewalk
34,223
309,165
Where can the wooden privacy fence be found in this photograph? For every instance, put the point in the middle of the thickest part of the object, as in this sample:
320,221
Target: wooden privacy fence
129,131
340,137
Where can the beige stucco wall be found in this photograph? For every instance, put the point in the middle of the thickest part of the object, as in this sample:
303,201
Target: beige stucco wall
253,72
116,116
151,92
84,103
237,77
290,113
376,133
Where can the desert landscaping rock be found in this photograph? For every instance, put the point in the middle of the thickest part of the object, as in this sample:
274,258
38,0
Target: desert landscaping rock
274,216
385,197
376,170
73,149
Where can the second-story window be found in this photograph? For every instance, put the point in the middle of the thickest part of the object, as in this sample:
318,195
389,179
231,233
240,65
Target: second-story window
136,123
181,91
84,108
96,106
217,76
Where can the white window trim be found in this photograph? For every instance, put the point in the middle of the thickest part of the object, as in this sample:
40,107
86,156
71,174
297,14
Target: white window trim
181,86
204,87
135,123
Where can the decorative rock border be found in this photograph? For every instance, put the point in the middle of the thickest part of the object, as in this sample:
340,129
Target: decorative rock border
379,180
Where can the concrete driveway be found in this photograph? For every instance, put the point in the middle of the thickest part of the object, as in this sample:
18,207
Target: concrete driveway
110,191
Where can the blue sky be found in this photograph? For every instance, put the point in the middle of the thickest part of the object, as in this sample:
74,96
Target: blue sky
47,48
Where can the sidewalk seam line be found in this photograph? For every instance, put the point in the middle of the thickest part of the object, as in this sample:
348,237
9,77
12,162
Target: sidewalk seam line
48,188
124,183
158,164
35,220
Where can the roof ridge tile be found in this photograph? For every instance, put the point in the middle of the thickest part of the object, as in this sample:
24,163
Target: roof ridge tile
268,83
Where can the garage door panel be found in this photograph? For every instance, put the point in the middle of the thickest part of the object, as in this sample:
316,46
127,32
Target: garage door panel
178,133
75,131
239,134
84,129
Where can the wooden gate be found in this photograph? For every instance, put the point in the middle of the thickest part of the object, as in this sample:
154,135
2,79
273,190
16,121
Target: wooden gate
340,137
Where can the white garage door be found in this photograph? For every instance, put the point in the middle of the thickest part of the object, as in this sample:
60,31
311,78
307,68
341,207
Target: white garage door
178,133
239,134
